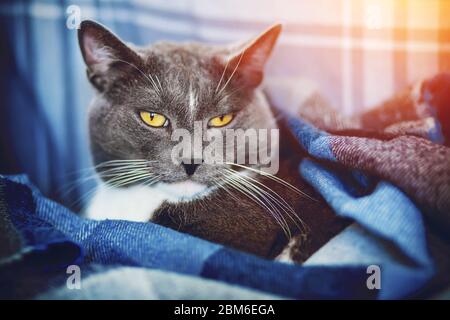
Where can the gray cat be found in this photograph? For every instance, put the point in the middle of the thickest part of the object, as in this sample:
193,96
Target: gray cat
143,94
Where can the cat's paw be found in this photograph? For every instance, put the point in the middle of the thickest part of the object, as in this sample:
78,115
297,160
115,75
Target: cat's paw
296,251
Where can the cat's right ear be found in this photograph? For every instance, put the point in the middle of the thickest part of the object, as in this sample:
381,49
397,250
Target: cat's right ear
105,55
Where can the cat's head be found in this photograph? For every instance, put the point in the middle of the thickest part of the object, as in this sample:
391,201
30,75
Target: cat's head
143,95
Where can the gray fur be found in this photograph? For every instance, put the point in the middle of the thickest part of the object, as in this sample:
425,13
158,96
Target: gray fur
117,132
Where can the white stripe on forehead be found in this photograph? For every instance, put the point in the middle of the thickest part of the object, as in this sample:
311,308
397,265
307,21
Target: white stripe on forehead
192,99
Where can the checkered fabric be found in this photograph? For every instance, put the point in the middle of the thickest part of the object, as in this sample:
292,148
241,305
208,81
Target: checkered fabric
358,52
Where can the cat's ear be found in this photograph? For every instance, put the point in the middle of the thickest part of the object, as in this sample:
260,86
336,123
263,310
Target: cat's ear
249,59
105,55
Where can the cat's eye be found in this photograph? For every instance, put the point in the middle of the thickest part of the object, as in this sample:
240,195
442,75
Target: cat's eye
154,119
220,121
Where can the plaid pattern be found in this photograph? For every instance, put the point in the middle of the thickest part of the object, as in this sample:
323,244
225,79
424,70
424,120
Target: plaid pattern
358,52
54,238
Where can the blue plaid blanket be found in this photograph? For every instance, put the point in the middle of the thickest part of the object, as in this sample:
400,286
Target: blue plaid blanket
40,238
52,237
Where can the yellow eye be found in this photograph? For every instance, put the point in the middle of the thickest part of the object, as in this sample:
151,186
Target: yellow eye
154,119
220,121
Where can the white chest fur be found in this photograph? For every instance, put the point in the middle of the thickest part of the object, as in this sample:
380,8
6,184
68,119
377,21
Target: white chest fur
138,203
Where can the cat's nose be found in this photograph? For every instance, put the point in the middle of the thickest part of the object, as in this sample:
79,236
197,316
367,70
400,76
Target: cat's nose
190,167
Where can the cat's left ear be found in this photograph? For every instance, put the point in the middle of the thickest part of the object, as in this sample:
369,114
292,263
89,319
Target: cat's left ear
106,56
249,60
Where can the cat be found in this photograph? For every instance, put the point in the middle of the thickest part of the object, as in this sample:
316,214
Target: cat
143,94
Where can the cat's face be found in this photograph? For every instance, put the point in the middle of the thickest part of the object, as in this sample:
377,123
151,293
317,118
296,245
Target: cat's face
144,95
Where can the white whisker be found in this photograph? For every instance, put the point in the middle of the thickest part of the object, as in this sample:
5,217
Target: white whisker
274,196
264,195
221,77
159,82
232,74
239,185
274,178
152,81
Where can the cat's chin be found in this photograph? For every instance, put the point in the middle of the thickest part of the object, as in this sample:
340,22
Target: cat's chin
183,190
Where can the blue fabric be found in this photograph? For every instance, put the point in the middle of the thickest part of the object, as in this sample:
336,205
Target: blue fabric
386,210
43,222
134,283
46,94
383,209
